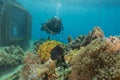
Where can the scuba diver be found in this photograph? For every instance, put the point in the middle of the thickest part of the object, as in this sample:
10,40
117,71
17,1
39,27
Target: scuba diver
53,26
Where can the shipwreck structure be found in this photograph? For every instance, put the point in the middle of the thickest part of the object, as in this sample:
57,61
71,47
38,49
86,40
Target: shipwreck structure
15,24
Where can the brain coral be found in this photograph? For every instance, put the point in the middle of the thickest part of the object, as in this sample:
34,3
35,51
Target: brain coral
45,49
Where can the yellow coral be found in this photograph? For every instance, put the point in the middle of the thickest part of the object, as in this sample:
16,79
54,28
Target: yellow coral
45,49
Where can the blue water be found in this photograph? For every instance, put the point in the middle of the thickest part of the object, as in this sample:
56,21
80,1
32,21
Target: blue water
78,16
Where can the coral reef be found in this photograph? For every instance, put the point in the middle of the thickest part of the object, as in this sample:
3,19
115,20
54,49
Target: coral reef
45,49
68,57
29,71
10,59
38,43
83,40
34,70
99,60
69,38
10,56
90,57
75,44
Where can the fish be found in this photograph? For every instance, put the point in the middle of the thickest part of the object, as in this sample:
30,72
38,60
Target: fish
57,53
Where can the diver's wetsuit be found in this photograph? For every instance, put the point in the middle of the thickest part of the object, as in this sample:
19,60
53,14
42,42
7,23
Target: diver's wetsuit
53,26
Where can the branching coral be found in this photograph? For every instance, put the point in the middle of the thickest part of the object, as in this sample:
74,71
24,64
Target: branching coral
97,61
84,40
11,56
45,49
